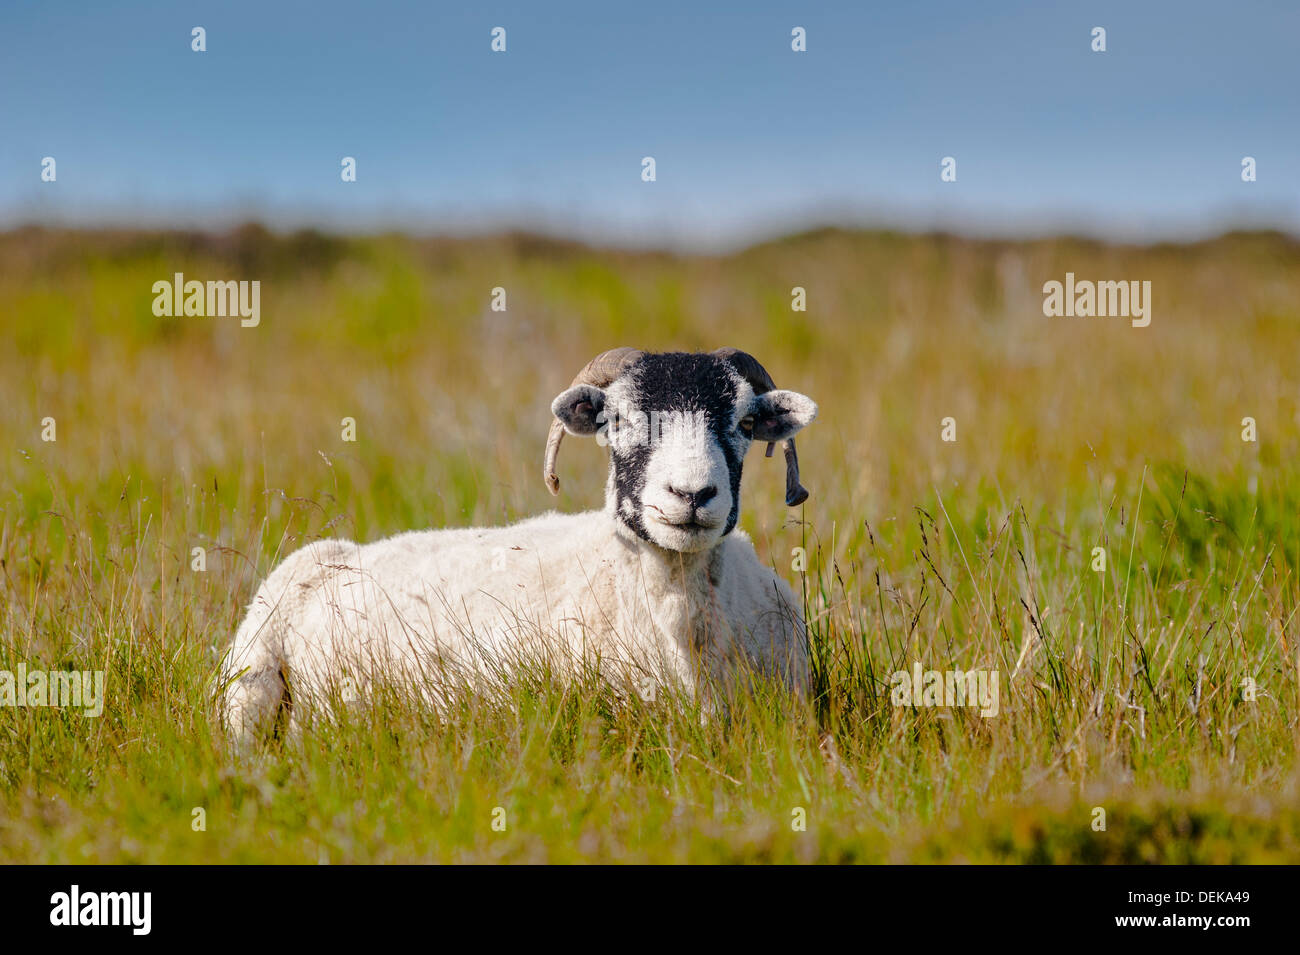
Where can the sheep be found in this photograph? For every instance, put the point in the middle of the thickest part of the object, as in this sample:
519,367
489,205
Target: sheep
658,586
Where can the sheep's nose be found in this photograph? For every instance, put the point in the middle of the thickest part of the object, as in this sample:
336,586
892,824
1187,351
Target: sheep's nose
696,498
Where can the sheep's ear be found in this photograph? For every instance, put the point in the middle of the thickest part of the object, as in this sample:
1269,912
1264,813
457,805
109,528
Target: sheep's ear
580,409
780,415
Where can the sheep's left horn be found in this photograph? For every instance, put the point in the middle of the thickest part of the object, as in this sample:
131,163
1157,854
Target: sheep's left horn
601,371
749,368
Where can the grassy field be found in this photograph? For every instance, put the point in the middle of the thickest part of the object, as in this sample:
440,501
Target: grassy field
1124,689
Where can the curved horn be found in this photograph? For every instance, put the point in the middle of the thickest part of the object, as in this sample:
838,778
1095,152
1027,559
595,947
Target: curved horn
601,371
749,368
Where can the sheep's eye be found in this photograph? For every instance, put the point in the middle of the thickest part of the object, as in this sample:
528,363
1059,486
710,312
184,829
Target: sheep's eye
747,425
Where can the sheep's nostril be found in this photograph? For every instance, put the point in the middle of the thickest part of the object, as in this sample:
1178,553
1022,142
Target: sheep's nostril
696,498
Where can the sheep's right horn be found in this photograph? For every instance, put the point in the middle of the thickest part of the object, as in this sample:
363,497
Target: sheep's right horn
749,368
601,371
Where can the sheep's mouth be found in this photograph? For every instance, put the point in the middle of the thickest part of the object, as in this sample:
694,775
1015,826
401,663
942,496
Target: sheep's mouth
692,524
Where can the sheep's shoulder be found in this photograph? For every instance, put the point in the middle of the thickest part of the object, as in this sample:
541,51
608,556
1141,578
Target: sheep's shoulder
762,609
746,582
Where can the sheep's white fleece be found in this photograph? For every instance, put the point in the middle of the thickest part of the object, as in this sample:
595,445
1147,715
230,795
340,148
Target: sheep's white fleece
426,604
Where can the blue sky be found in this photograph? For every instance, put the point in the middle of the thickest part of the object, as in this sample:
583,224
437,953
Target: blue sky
1144,141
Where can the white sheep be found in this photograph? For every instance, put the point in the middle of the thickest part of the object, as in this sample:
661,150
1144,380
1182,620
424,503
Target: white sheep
658,587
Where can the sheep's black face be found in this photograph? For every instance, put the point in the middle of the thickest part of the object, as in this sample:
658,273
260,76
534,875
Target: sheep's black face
678,426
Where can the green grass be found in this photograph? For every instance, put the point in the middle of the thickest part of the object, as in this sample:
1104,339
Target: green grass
1120,690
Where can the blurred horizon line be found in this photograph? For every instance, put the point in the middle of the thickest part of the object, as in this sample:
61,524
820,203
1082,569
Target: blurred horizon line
601,236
